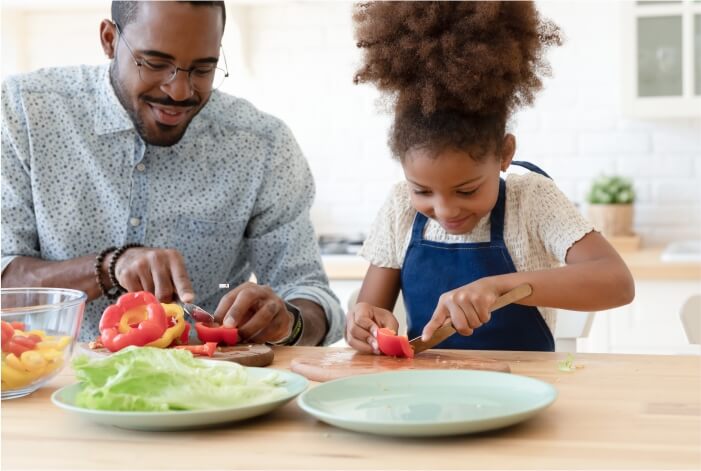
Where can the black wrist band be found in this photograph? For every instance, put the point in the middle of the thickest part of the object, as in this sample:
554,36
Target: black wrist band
113,263
297,327
108,293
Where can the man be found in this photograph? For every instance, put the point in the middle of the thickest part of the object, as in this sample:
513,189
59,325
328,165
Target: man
142,176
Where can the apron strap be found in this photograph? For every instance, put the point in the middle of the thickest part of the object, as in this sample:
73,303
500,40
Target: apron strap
531,167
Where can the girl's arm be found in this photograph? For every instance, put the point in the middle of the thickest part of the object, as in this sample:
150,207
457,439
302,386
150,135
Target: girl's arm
380,287
595,278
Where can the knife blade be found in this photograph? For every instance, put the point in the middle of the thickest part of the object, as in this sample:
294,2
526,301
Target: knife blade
446,330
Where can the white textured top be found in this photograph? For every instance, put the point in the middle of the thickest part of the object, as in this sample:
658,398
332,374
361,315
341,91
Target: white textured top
540,226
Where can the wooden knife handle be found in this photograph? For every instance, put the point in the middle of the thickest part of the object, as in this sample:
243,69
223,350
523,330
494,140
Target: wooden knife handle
516,294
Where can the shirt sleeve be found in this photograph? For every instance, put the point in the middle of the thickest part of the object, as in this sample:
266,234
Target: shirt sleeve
554,219
19,230
280,237
386,241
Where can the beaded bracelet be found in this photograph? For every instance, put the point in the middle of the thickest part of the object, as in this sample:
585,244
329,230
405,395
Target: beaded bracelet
113,292
113,263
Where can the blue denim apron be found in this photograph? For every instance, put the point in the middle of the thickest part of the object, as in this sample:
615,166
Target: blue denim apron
433,268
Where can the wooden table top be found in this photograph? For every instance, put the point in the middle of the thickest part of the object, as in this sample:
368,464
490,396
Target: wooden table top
614,412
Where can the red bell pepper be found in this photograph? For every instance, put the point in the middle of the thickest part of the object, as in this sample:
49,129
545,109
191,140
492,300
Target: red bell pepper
394,345
7,332
147,313
205,349
184,337
17,325
18,344
217,333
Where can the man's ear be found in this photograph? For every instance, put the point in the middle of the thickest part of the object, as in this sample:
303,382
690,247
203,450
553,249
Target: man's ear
108,37
508,149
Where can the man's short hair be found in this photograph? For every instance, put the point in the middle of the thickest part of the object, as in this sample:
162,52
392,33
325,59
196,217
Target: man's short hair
124,13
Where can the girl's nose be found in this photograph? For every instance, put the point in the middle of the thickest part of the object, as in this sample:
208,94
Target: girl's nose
446,211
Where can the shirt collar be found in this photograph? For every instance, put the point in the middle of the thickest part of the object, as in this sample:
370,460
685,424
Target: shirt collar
111,115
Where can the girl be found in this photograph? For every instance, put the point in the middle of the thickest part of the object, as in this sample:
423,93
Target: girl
454,236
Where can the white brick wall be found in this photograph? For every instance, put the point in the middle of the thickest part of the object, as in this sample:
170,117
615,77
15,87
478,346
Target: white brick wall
296,60
576,129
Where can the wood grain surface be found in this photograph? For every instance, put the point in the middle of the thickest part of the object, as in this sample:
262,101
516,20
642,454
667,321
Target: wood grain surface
325,365
245,354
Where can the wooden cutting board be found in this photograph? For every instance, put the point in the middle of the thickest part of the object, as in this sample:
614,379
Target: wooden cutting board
328,365
245,354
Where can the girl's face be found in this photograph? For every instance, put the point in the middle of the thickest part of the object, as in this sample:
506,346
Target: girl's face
452,187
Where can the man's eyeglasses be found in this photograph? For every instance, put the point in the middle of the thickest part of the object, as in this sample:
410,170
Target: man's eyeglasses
203,78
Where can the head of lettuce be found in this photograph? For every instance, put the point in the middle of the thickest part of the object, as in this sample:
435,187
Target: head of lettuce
160,380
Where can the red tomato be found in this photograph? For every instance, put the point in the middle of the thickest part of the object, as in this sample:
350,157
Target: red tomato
394,345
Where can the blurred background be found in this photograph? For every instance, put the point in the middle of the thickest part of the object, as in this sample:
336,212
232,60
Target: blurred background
624,100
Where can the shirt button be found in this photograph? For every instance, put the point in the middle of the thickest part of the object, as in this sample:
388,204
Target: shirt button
141,167
134,221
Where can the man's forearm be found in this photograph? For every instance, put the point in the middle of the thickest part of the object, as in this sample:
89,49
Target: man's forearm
315,323
77,273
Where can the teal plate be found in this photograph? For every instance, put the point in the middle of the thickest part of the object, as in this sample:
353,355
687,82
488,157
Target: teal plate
421,403
179,420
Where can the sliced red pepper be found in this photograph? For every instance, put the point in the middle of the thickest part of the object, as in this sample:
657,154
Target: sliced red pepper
16,348
394,345
17,325
207,349
217,333
185,336
152,326
7,332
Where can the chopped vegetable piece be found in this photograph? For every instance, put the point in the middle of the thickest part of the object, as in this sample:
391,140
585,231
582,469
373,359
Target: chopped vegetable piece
394,345
217,333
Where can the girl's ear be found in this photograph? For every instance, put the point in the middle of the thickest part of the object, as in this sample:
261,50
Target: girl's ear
108,38
508,149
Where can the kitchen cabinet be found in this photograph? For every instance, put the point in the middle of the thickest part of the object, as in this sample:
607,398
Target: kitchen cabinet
661,58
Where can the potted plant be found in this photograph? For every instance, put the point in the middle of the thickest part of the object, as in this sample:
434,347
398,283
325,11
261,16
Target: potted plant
611,206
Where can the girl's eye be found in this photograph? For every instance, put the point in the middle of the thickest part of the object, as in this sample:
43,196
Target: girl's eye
421,192
467,193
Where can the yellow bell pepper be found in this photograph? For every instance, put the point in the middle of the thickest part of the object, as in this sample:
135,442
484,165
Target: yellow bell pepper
174,331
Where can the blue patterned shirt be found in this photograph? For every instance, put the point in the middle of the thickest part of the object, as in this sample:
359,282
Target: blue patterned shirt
233,196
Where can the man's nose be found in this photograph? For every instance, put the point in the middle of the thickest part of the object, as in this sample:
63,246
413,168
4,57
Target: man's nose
179,88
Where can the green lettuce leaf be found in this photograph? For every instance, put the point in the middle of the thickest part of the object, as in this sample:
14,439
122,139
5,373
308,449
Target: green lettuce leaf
156,379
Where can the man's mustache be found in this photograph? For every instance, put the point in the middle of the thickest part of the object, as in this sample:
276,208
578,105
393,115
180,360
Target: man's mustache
169,102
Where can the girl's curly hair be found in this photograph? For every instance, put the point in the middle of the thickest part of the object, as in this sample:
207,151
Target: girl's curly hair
454,71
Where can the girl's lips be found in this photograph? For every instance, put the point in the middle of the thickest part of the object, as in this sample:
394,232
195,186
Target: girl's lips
455,223
169,116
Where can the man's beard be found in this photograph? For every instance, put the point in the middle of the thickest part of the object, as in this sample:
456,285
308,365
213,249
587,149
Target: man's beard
166,138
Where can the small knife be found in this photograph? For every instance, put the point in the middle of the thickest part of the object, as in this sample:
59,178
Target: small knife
442,333
196,313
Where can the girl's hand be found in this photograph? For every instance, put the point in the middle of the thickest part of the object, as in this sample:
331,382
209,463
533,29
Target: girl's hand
362,323
467,308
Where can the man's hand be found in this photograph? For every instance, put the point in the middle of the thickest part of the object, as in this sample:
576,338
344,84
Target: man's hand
362,323
159,271
257,312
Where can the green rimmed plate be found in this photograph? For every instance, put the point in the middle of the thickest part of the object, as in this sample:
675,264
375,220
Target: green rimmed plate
294,384
427,402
